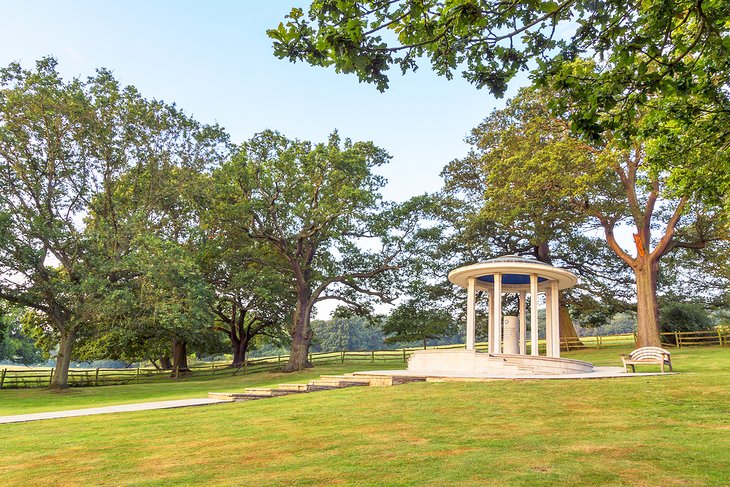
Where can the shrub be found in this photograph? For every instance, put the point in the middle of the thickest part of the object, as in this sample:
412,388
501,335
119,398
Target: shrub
683,317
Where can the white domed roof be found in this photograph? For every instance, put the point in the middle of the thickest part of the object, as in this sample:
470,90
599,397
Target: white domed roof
515,272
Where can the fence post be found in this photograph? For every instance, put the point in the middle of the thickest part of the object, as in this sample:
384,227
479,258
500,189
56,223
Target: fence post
404,356
137,375
2,377
342,356
50,379
278,360
96,377
372,357
636,338
676,339
598,342
719,336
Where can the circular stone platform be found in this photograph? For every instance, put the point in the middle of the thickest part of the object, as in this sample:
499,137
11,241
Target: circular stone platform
471,362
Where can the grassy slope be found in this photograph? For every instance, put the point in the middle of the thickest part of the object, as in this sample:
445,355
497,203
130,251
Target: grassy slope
20,401
672,430
23,401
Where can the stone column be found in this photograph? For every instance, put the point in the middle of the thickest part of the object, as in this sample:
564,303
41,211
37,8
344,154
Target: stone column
490,322
511,335
471,314
548,324
523,324
555,312
497,313
533,315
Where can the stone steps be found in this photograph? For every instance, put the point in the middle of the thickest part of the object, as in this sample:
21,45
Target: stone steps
345,380
528,365
293,387
337,383
231,396
266,392
324,383
387,380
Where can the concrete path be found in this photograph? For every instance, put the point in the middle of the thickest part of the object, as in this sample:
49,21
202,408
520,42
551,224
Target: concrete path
122,408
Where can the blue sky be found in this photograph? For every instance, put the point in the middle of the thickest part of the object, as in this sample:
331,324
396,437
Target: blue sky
214,60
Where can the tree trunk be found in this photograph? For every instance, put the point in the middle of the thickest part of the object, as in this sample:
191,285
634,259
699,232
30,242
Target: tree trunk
647,307
240,346
165,363
63,360
567,330
301,336
179,356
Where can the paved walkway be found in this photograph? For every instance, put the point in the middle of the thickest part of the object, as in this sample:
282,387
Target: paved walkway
122,408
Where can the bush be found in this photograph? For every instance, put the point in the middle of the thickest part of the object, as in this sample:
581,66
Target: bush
683,317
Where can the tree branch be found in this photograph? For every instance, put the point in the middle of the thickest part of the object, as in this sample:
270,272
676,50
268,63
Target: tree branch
664,244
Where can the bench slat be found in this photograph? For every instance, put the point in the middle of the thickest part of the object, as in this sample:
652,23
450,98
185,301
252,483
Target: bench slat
648,355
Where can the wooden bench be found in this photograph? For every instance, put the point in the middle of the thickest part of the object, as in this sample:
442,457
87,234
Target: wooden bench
647,355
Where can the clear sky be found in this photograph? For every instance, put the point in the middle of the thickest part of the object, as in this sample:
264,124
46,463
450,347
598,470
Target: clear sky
214,60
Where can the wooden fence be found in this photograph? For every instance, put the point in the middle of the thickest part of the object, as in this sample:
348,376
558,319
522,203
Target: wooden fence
27,378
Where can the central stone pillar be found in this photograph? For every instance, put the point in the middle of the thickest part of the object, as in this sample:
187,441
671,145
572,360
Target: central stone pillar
511,335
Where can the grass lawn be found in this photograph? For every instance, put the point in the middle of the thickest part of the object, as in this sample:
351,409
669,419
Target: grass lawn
24,401
671,430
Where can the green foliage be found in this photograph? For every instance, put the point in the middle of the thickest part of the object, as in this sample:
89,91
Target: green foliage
677,49
88,166
414,321
15,345
314,212
522,189
345,333
617,324
300,200
684,317
167,298
253,298
529,183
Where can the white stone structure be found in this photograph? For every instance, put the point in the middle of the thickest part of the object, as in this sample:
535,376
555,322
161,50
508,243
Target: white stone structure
508,338
512,274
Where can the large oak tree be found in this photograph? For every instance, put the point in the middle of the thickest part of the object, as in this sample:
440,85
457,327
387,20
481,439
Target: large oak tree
86,166
318,209
527,162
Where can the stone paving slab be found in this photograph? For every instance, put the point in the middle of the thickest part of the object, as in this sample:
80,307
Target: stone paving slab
122,408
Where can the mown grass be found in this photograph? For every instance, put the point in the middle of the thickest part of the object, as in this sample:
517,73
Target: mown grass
668,430
24,401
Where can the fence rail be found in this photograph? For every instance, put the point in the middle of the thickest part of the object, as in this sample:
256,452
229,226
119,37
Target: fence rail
15,379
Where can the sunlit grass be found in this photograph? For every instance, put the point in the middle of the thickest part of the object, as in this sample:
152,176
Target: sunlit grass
659,430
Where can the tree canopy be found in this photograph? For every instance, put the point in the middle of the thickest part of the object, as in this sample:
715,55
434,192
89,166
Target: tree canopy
536,180
81,164
644,48
317,210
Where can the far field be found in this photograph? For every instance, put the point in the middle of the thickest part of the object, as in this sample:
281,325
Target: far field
670,430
